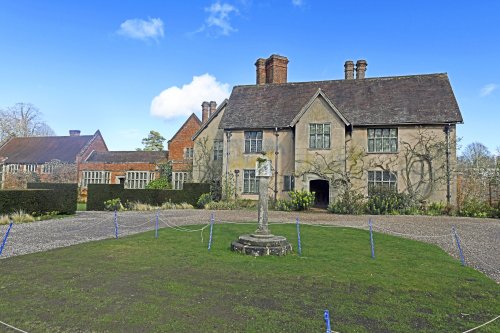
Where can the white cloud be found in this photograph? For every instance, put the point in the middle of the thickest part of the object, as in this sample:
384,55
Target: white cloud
218,19
142,29
488,89
297,3
175,102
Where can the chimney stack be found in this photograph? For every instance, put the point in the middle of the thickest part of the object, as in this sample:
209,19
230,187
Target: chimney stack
276,69
213,108
361,69
349,70
74,132
204,112
260,65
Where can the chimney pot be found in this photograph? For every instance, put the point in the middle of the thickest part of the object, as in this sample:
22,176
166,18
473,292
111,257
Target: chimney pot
276,69
361,69
349,70
204,111
213,108
74,132
260,65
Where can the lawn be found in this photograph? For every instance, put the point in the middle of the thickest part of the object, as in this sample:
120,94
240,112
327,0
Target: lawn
173,284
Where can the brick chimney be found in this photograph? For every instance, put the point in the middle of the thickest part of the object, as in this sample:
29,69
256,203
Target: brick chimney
349,70
276,69
213,108
361,69
204,112
74,132
260,65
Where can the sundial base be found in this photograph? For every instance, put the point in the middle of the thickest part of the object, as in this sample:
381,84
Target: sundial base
262,245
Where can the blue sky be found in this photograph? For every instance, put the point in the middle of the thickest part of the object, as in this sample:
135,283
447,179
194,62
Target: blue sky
92,65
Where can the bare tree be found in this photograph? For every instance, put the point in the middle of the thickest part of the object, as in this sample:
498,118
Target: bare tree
61,172
208,169
22,120
421,164
339,171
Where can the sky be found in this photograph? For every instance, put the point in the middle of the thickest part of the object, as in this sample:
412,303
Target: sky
126,67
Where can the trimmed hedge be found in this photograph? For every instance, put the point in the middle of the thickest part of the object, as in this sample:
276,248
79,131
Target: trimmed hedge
98,193
40,198
67,195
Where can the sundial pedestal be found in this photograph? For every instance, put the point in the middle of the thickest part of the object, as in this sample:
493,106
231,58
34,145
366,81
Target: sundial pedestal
262,242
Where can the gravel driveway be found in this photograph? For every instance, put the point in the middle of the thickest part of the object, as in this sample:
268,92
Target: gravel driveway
480,237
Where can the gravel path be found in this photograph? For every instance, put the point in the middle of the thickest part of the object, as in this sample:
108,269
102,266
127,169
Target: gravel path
480,237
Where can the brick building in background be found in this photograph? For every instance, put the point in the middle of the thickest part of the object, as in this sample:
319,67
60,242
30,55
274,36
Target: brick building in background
40,157
180,151
133,169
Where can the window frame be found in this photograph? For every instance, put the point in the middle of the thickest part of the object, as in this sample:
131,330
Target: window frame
382,179
178,179
249,179
319,136
188,153
95,177
136,179
250,142
288,183
378,144
218,149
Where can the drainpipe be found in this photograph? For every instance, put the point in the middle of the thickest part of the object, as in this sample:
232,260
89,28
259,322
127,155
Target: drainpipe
276,165
228,140
448,176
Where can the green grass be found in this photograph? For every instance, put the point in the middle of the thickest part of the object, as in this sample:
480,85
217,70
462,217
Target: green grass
81,206
173,284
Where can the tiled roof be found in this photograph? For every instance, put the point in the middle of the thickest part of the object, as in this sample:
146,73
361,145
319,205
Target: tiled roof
128,156
415,99
44,149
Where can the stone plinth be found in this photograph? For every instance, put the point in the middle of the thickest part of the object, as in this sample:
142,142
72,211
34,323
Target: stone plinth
262,245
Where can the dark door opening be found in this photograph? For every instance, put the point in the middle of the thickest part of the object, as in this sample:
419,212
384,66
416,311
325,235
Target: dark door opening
321,189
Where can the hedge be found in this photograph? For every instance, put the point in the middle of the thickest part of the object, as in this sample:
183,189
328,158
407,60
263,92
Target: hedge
40,198
67,195
98,193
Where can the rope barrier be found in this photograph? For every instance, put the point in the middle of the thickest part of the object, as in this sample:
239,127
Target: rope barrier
12,327
134,226
488,322
94,225
411,235
475,255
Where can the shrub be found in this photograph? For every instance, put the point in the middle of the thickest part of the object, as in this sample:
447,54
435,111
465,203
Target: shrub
113,204
170,205
350,202
474,207
98,193
384,201
4,219
65,196
222,205
21,217
159,184
204,199
301,200
136,205
284,205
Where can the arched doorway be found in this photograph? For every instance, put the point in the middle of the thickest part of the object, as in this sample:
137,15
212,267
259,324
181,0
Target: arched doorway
321,188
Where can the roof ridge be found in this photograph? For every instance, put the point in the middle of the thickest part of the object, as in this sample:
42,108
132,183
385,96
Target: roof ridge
340,80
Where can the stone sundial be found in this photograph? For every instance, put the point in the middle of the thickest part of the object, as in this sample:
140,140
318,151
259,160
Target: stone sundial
262,242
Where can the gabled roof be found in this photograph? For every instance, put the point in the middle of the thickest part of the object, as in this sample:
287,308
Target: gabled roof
332,106
127,156
192,116
414,99
209,120
42,149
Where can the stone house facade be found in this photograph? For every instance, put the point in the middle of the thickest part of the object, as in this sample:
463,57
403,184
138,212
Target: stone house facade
361,133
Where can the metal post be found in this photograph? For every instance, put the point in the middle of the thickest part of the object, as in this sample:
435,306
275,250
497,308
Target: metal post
276,153
5,238
371,238
457,239
156,226
116,225
211,228
298,236
326,316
